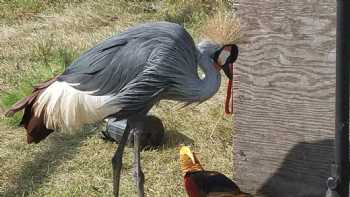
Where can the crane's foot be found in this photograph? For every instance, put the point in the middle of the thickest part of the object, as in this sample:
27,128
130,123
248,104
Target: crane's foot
117,161
138,174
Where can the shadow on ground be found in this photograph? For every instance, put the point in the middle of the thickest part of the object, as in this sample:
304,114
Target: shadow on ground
303,172
33,173
173,138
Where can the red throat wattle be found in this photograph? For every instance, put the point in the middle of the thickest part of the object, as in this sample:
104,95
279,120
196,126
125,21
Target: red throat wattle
229,98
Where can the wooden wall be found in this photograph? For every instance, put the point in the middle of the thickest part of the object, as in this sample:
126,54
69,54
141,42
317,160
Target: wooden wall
284,121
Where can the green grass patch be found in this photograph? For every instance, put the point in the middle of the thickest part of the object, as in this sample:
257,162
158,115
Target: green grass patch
12,11
47,62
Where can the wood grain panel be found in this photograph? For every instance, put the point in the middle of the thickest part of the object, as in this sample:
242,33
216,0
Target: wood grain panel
284,121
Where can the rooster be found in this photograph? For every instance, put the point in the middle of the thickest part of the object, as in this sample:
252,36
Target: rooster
202,183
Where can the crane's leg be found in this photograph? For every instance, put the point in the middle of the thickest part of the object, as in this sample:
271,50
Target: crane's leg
138,174
117,161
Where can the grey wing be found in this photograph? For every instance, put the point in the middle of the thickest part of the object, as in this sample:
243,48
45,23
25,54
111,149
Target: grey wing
137,66
117,67
108,67
138,96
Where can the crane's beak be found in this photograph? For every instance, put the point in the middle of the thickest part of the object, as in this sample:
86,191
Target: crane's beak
228,68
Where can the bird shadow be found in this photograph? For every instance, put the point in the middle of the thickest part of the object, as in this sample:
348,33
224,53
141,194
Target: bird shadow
170,139
32,175
173,139
303,172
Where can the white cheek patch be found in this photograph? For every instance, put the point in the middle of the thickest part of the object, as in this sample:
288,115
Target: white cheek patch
225,53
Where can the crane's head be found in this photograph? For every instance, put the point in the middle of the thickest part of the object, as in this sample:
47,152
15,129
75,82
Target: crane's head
189,161
223,29
223,56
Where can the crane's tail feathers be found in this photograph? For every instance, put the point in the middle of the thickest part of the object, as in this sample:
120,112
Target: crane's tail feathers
57,104
36,130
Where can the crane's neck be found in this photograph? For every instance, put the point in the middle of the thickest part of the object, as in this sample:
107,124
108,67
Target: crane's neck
210,84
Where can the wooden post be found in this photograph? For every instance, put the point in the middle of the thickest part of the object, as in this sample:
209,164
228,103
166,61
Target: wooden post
284,121
338,184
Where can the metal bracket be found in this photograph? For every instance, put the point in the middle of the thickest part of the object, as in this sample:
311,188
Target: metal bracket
333,182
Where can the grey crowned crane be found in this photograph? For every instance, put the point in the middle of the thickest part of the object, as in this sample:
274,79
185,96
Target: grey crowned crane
122,78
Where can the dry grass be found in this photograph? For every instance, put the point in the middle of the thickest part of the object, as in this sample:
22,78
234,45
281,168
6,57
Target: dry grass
80,164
